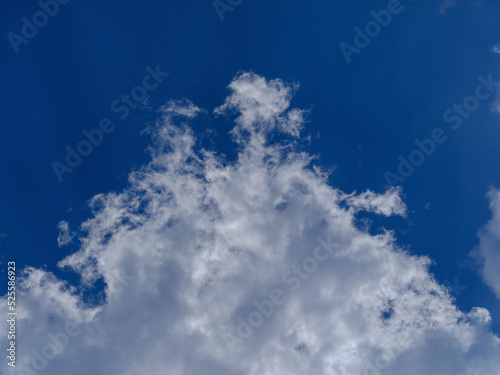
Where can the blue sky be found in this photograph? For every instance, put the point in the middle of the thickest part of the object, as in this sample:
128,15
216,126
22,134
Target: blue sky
360,115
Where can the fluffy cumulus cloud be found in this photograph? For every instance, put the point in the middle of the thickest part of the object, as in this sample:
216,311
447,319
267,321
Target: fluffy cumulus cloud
487,252
246,266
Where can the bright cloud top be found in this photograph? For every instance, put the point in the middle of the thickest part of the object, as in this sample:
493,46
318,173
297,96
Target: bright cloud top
195,243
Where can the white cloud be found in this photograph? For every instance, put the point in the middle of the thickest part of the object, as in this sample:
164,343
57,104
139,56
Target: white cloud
195,239
65,235
487,252
495,105
260,104
386,204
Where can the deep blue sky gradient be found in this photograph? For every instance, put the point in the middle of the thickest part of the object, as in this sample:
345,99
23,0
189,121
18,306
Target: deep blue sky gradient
363,114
